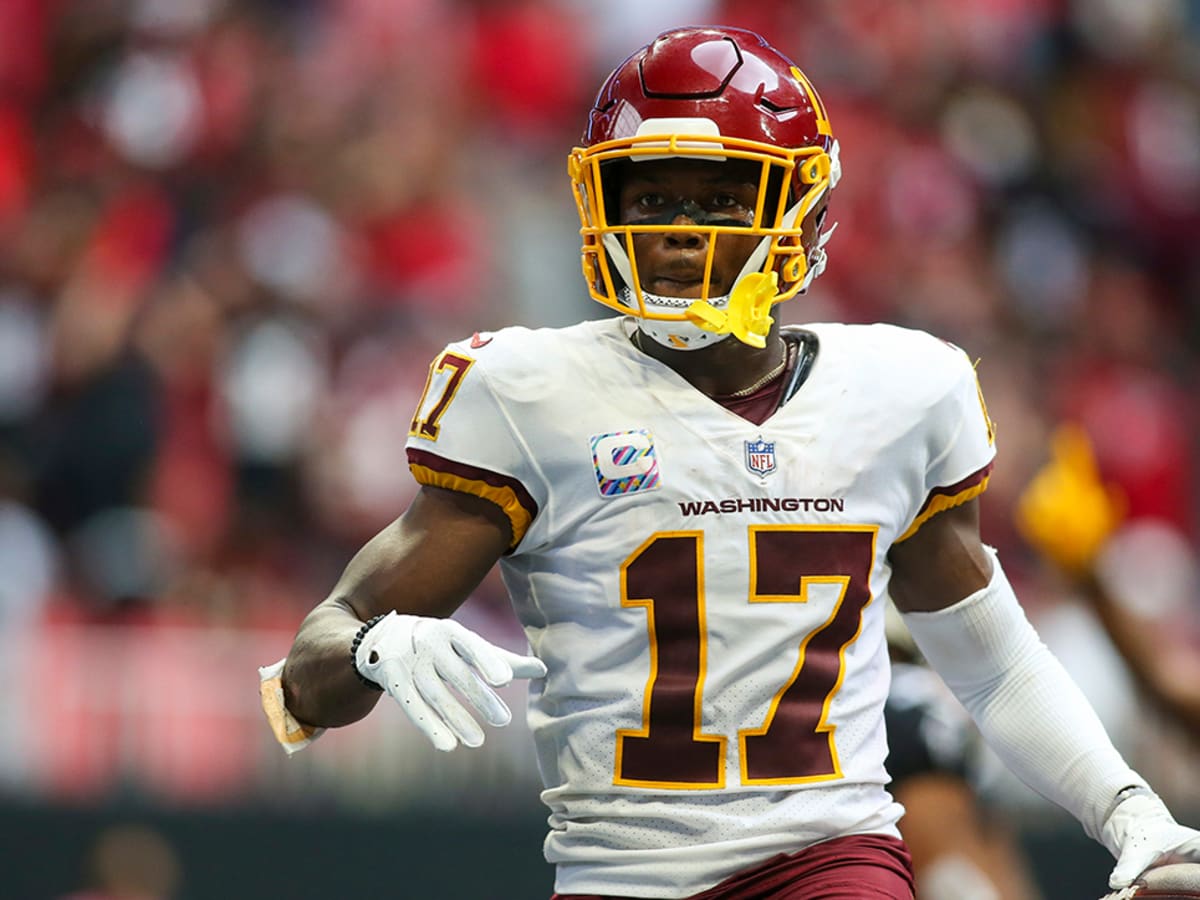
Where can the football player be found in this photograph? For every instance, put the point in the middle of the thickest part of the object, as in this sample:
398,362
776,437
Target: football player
696,513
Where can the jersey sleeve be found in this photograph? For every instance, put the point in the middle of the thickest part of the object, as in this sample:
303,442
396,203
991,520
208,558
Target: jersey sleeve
462,438
960,441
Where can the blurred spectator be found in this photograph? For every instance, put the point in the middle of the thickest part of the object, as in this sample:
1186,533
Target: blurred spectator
1135,568
130,862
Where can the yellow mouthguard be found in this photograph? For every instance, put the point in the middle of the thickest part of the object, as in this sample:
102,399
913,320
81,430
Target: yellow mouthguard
746,317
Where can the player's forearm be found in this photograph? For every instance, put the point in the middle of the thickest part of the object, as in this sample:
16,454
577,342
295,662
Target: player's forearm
320,686
1043,728
1029,710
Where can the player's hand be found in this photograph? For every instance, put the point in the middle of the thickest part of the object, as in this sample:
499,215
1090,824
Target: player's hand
417,659
1067,512
1142,833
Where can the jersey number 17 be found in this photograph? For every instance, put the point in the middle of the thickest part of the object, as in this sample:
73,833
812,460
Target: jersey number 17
794,744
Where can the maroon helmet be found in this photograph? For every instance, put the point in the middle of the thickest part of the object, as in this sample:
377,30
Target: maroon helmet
712,94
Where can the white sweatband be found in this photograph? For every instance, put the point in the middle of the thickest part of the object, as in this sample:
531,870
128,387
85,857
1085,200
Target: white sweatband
1026,705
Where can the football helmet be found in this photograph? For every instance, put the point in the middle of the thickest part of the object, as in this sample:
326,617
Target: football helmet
709,94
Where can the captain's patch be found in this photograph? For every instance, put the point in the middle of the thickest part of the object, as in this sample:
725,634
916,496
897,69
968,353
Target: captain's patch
625,462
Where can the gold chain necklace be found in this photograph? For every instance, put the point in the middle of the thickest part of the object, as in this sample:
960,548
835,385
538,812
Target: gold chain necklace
769,377
746,391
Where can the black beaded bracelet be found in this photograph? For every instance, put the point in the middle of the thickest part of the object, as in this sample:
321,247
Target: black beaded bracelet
358,639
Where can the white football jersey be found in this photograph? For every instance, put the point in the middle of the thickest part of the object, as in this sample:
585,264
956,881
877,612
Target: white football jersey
706,592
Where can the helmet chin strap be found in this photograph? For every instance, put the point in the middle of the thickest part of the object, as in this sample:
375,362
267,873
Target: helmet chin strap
677,335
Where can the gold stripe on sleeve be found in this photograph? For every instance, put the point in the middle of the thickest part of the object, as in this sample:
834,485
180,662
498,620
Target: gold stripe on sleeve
504,497
940,503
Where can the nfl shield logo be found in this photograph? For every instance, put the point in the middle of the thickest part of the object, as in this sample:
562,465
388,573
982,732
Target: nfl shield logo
760,456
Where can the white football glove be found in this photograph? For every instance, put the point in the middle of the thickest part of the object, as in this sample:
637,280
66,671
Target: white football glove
417,659
1141,833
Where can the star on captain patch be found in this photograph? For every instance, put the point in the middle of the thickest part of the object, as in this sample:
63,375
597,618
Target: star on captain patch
760,456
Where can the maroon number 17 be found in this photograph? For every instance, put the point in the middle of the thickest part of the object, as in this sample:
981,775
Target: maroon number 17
795,742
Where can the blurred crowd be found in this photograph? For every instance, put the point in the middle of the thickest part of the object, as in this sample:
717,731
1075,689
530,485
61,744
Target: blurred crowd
233,233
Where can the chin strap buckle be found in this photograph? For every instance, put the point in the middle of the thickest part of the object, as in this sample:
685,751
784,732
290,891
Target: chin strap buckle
747,315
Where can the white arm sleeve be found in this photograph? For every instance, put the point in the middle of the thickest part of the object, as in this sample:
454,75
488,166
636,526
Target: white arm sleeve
1028,708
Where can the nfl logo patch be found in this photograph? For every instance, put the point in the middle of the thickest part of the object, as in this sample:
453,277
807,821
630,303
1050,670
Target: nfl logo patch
760,456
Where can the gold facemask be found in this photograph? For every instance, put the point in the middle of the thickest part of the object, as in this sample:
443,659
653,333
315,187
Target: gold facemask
780,262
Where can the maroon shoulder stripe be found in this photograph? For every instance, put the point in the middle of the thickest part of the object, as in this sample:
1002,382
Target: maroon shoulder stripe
959,487
467,474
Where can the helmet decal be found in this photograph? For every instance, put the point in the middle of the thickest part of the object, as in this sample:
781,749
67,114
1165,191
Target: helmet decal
823,126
